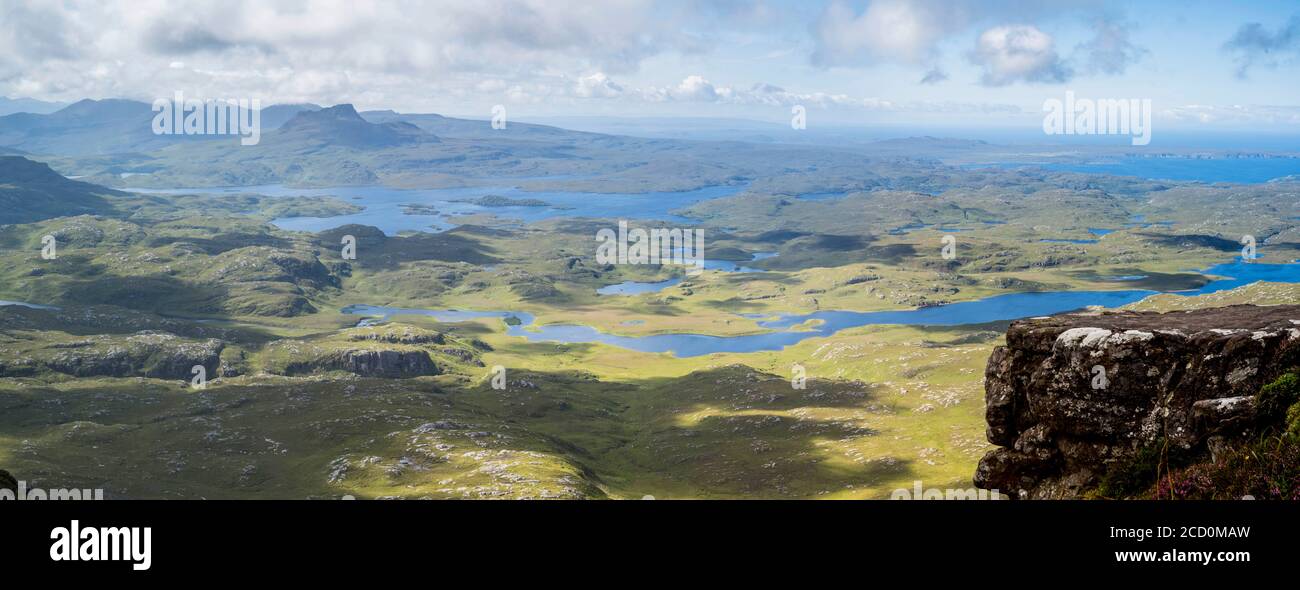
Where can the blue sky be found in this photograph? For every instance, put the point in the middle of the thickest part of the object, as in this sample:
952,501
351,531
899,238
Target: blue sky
1204,65
1178,60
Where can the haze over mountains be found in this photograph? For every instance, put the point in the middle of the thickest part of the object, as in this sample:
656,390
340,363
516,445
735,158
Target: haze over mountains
110,126
98,127
9,106
111,142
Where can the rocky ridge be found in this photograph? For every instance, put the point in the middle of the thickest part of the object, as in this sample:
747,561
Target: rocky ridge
1070,396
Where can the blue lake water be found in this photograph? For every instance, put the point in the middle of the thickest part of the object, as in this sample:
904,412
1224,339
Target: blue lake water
1240,170
4,302
791,329
637,287
909,228
383,206
383,209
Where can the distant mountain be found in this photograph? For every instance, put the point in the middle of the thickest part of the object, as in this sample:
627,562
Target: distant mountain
9,106
109,126
927,141
31,191
337,146
274,116
316,146
340,125
83,128
690,128
471,129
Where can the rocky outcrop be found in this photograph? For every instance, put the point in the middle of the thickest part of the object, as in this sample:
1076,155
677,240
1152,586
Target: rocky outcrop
395,335
1070,396
369,363
152,354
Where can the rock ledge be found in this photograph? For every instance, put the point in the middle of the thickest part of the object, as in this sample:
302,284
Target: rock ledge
1072,394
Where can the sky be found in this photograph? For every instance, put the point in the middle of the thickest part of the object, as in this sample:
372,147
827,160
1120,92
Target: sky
1204,65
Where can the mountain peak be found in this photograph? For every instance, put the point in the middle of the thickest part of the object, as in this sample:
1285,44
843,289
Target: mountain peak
343,111
342,125
113,107
337,114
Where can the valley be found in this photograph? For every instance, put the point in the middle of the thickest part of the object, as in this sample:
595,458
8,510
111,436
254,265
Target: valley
372,376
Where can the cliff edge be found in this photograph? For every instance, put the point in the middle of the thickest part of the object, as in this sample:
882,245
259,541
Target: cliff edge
1072,398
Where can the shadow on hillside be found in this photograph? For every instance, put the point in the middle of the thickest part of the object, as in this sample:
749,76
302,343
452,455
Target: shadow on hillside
725,432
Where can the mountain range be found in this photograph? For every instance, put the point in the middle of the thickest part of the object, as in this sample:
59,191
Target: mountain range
9,106
108,126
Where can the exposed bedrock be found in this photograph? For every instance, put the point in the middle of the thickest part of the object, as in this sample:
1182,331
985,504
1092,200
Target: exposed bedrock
1070,395
369,363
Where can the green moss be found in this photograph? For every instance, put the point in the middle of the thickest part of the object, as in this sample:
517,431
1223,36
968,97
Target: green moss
1293,420
1274,399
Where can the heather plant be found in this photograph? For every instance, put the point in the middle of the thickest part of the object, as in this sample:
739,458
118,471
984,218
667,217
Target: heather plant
1267,468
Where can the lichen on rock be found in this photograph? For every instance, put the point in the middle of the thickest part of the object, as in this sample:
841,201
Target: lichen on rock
1070,397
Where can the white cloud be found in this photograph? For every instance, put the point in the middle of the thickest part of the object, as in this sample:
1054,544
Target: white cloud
301,50
1018,53
695,88
596,85
1239,114
888,31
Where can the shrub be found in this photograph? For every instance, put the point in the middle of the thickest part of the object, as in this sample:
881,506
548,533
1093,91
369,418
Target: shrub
1132,476
1268,469
1274,399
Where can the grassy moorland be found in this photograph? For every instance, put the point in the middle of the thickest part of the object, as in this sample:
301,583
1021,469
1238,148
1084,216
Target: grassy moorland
300,402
